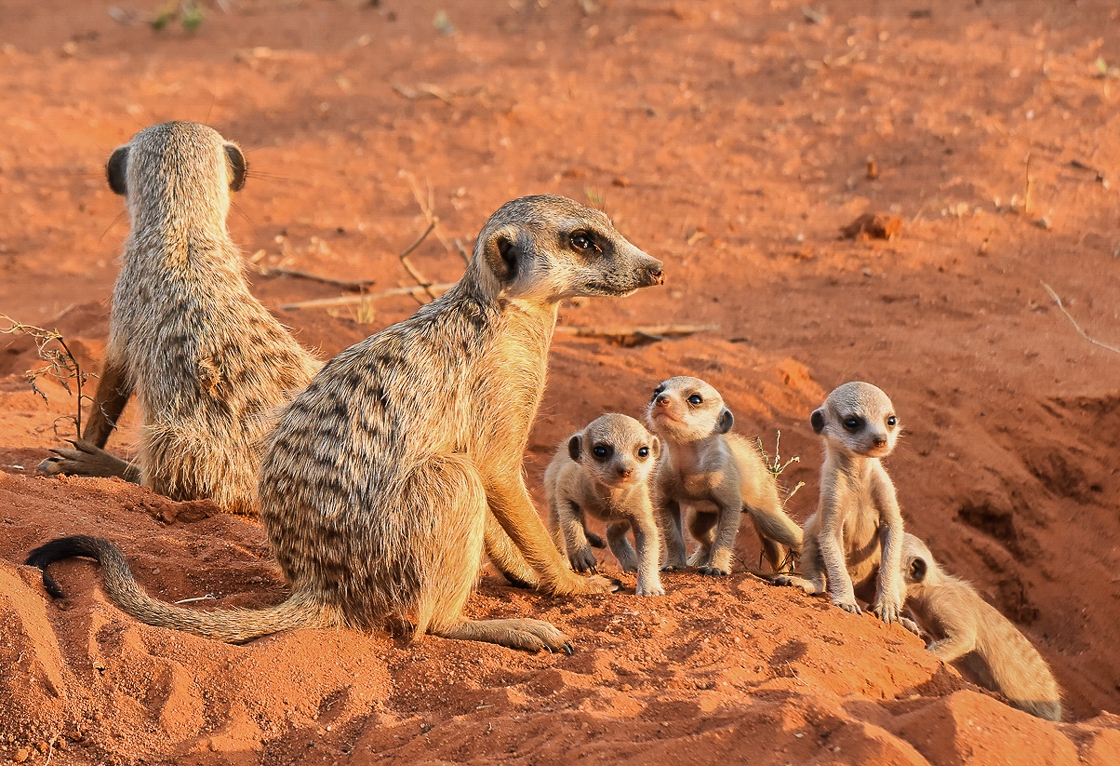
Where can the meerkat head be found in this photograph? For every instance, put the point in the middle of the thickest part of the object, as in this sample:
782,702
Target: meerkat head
918,565
177,168
547,248
615,450
858,419
685,409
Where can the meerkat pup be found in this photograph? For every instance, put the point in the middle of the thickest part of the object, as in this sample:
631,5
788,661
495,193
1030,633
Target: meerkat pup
205,359
853,543
378,481
716,475
604,472
973,634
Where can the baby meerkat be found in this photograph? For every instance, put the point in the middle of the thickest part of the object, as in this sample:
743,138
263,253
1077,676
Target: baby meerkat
604,472
716,475
858,523
206,360
384,477
971,633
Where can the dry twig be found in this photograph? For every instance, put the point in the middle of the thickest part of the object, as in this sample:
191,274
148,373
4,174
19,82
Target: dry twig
61,364
352,300
1073,321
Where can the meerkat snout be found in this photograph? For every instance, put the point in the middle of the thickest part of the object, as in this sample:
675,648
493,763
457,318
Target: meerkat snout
858,418
686,409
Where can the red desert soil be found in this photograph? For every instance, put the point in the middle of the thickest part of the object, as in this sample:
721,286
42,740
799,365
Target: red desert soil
730,140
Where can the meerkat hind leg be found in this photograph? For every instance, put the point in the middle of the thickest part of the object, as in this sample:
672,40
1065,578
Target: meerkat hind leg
455,553
702,527
621,547
87,459
506,557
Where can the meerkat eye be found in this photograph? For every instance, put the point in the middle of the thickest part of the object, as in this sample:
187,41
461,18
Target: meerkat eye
601,451
643,452
581,240
695,400
853,424
892,421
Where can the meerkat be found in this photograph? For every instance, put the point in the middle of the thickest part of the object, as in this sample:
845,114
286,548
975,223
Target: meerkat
376,482
206,360
971,633
604,472
853,543
715,475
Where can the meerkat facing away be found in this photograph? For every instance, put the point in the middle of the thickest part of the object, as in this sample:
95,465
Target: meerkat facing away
604,472
716,475
376,482
858,523
971,633
206,360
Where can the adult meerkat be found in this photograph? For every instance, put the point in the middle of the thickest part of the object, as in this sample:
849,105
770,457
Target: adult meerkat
604,471
971,633
376,482
853,543
716,475
205,359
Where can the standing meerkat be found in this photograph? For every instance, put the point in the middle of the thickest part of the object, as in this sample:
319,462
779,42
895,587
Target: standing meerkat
716,475
377,480
206,360
972,634
604,471
853,543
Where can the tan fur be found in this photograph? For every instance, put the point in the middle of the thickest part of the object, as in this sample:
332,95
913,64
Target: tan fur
377,481
973,635
858,522
604,471
716,476
205,359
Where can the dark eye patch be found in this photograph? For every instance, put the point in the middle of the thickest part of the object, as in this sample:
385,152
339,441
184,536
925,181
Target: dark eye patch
696,400
602,451
852,423
643,452
892,421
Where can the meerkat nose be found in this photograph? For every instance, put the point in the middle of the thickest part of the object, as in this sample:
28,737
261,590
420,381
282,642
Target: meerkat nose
663,401
625,473
880,441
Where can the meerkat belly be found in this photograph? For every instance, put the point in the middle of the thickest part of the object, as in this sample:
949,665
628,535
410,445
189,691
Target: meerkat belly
696,489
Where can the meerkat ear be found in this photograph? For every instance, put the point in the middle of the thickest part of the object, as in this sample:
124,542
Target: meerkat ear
238,165
116,170
503,253
817,419
655,448
575,446
918,569
726,420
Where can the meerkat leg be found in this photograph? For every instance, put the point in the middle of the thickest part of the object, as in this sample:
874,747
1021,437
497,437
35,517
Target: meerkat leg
620,545
594,540
727,527
702,527
511,504
454,553
670,519
505,557
836,571
812,579
576,544
88,458
648,541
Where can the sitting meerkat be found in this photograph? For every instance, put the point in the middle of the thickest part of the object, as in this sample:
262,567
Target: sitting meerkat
604,472
858,523
972,634
716,475
383,478
206,360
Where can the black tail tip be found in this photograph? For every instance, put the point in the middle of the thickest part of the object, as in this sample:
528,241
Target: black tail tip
58,549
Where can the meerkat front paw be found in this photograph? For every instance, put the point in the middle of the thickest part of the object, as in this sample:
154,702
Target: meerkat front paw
714,571
649,589
583,560
847,606
888,611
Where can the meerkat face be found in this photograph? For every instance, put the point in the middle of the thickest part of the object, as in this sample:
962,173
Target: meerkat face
616,451
547,248
686,409
858,419
177,167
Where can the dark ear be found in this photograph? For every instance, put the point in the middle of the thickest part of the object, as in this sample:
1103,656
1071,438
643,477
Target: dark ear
655,448
503,254
918,569
726,420
238,165
817,419
575,446
116,170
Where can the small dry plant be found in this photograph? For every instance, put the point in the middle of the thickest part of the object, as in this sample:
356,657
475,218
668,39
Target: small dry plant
775,464
60,365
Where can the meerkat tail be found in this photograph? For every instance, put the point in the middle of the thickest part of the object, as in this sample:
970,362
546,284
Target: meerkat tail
234,626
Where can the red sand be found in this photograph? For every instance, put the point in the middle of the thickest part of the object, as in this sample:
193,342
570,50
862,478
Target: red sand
731,141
